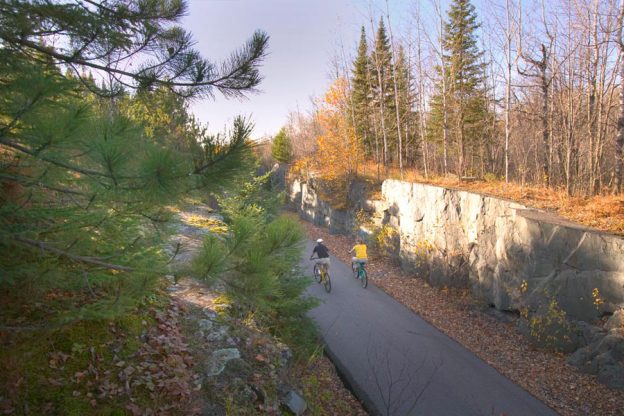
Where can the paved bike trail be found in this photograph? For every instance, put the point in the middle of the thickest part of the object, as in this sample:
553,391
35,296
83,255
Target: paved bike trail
398,364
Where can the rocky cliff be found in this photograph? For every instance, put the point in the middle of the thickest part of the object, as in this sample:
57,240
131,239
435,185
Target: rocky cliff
558,275
508,255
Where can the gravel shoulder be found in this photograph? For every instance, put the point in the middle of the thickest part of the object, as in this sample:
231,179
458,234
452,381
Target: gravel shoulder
490,335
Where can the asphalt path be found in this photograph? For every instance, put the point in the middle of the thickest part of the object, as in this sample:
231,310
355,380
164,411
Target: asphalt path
398,364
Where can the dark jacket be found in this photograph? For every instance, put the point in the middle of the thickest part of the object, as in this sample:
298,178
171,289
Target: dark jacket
321,251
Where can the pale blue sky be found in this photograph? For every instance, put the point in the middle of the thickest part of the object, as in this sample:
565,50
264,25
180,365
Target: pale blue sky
304,35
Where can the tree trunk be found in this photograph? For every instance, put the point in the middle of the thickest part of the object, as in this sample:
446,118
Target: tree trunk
619,142
545,126
396,93
508,94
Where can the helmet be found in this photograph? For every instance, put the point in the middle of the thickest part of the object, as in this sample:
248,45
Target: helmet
320,240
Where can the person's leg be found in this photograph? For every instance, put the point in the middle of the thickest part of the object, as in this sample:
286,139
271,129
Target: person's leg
326,263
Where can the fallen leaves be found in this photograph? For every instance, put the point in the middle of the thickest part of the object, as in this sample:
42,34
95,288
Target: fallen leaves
544,374
161,370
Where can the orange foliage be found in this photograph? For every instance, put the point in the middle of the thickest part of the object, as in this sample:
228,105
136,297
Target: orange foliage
339,151
339,159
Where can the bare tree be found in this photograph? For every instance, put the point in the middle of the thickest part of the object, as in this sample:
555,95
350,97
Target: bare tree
421,90
397,106
508,46
541,72
619,142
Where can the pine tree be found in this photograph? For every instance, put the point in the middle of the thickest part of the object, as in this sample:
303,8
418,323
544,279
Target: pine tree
406,101
383,90
361,96
282,148
99,36
465,106
256,259
84,185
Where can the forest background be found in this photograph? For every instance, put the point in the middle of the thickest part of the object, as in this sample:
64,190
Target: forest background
523,92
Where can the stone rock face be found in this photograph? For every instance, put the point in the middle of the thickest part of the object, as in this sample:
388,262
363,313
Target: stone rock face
304,198
493,246
517,259
616,321
603,357
508,255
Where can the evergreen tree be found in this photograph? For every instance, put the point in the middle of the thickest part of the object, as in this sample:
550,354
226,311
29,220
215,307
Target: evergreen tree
281,148
361,96
383,89
256,259
407,98
102,36
465,106
84,185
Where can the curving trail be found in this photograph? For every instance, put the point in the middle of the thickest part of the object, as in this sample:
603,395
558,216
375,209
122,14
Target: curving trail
398,364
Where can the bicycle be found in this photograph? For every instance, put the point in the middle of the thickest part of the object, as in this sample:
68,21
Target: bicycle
321,275
359,272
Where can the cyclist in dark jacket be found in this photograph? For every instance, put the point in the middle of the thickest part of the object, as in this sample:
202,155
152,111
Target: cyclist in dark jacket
322,253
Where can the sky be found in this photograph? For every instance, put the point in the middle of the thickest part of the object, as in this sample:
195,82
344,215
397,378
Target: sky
304,35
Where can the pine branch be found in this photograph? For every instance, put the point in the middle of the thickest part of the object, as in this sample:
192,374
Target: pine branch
30,152
73,257
241,72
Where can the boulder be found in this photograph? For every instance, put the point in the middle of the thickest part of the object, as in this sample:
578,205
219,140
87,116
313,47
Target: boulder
616,321
219,359
589,334
205,324
294,403
218,333
604,357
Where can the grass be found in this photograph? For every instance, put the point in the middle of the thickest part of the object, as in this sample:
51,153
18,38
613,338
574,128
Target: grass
211,224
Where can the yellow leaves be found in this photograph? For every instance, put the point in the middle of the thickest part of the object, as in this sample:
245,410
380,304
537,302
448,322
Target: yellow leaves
336,96
597,299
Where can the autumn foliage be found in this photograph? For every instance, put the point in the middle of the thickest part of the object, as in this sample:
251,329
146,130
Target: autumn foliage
338,150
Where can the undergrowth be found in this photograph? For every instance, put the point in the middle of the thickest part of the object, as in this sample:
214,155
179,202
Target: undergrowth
79,368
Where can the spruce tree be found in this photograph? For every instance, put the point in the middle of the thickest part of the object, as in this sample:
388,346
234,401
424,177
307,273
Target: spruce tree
361,95
406,101
281,148
84,184
383,89
465,106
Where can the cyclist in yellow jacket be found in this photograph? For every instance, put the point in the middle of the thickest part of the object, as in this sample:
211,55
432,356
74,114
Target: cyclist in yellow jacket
360,252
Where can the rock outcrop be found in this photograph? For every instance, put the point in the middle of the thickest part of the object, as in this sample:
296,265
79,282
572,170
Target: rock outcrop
559,275
509,255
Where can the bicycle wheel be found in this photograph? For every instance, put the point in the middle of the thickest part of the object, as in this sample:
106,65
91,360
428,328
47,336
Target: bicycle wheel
354,267
364,277
317,273
327,282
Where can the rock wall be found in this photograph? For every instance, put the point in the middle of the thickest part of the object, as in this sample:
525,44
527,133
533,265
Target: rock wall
508,255
512,257
305,200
